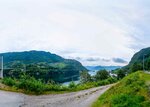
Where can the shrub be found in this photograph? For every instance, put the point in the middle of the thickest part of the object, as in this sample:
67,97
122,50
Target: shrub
54,87
102,75
131,91
146,104
85,77
32,85
120,74
126,100
72,85
112,80
9,81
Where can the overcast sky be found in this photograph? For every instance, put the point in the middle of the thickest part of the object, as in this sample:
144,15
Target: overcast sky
95,32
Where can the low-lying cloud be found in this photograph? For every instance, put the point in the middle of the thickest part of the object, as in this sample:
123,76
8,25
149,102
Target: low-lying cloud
93,59
119,60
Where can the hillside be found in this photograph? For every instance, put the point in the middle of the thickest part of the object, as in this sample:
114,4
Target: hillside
41,65
136,62
132,91
29,57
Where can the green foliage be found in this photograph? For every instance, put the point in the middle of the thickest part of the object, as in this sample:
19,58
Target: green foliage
58,65
72,85
110,80
29,57
9,81
85,77
102,75
101,78
41,65
131,91
127,100
136,66
28,84
120,74
136,62
31,84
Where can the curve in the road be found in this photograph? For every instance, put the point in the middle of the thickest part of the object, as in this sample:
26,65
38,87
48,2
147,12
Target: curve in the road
75,99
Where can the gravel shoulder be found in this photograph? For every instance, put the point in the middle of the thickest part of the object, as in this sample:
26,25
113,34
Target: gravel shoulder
74,99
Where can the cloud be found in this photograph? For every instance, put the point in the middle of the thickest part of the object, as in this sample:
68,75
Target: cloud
119,60
105,60
92,59
93,32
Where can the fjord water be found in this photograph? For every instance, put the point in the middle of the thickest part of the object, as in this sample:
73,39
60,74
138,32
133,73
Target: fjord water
92,73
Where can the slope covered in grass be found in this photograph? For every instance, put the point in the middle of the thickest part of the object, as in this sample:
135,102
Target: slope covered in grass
132,91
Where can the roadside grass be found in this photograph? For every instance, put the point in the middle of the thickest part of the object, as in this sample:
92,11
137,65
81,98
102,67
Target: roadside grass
29,85
132,91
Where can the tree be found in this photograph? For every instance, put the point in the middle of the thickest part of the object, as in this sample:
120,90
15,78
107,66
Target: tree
17,65
120,74
136,66
102,75
85,77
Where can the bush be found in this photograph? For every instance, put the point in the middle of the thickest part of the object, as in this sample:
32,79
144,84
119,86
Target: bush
72,85
126,100
130,81
120,74
9,81
31,85
102,75
55,87
85,77
105,82
131,91
146,104
112,80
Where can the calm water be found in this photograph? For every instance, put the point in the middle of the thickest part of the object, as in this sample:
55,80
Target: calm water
92,73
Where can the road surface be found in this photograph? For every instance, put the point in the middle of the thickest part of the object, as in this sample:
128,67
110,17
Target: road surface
10,99
74,99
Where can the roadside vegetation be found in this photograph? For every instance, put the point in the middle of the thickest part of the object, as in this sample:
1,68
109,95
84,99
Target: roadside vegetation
131,91
30,85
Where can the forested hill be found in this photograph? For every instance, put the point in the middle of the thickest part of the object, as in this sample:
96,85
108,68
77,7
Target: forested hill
31,57
50,66
136,62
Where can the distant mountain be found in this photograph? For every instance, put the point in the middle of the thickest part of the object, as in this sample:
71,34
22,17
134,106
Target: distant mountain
58,68
96,68
136,62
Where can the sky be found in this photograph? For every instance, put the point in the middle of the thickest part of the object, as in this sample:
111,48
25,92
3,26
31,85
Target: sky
94,32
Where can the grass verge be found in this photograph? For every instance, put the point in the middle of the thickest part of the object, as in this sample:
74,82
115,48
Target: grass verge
132,91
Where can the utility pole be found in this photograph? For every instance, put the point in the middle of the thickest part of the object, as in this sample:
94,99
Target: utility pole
144,62
1,75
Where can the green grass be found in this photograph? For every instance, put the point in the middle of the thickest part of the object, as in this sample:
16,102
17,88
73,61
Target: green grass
59,65
30,85
132,91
